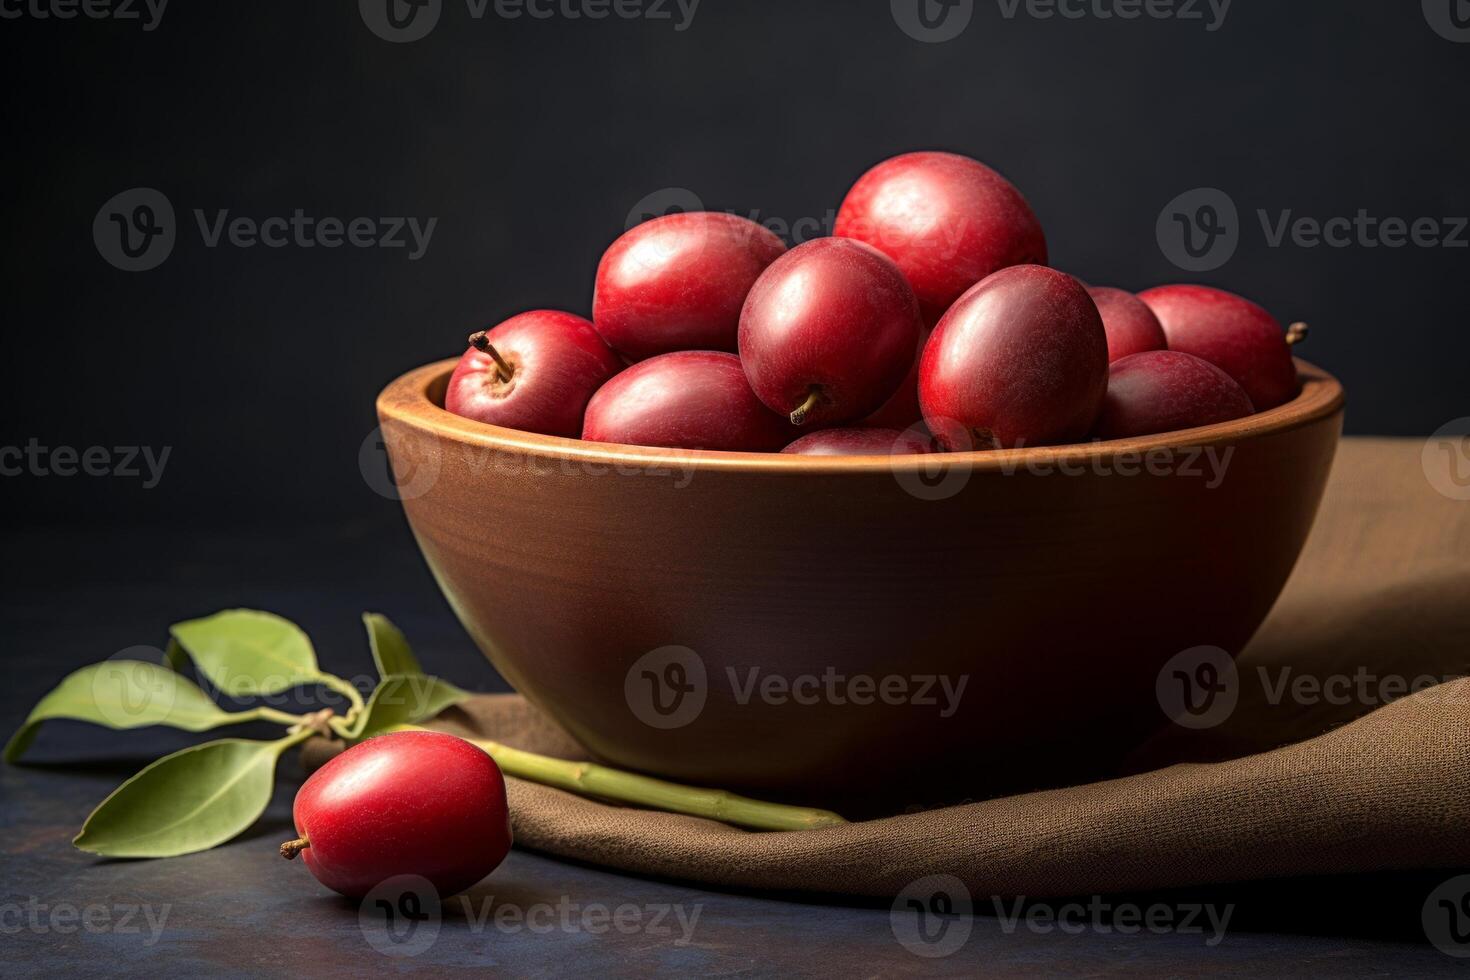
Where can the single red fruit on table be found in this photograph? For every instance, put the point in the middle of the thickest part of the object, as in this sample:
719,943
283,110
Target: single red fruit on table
1020,360
1231,333
678,282
829,331
534,372
1130,325
685,400
861,442
1165,391
409,803
947,220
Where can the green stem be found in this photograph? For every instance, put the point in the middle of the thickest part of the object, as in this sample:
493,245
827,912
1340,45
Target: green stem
591,779
264,713
345,689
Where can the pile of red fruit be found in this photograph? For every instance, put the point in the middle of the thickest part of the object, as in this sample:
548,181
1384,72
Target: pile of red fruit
930,304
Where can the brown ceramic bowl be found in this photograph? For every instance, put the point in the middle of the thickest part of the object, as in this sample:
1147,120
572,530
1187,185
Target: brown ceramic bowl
785,625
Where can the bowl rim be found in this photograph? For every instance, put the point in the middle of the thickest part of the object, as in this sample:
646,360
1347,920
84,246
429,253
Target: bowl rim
409,400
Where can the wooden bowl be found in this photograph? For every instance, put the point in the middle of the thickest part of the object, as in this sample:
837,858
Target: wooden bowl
786,625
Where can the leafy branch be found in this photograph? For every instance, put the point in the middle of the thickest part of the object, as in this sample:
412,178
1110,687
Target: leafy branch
207,794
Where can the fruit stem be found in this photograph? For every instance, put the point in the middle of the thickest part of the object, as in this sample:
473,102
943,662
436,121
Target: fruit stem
1296,333
480,342
813,397
591,779
291,848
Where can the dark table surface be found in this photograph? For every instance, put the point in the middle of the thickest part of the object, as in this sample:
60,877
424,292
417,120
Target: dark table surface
75,596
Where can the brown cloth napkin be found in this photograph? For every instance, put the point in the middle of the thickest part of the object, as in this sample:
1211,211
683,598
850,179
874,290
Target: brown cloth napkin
1324,766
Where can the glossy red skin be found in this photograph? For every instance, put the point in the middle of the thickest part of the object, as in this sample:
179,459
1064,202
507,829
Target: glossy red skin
947,220
861,442
1130,325
685,400
558,360
1165,391
678,282
408,803
1231,333
902,410
1020,360
833,313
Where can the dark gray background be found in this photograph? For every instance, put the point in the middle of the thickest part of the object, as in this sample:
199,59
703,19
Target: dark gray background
530,141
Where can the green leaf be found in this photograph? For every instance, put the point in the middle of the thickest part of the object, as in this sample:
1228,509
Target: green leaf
245,652
190,801
404,699
124,694
174,657
390,649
